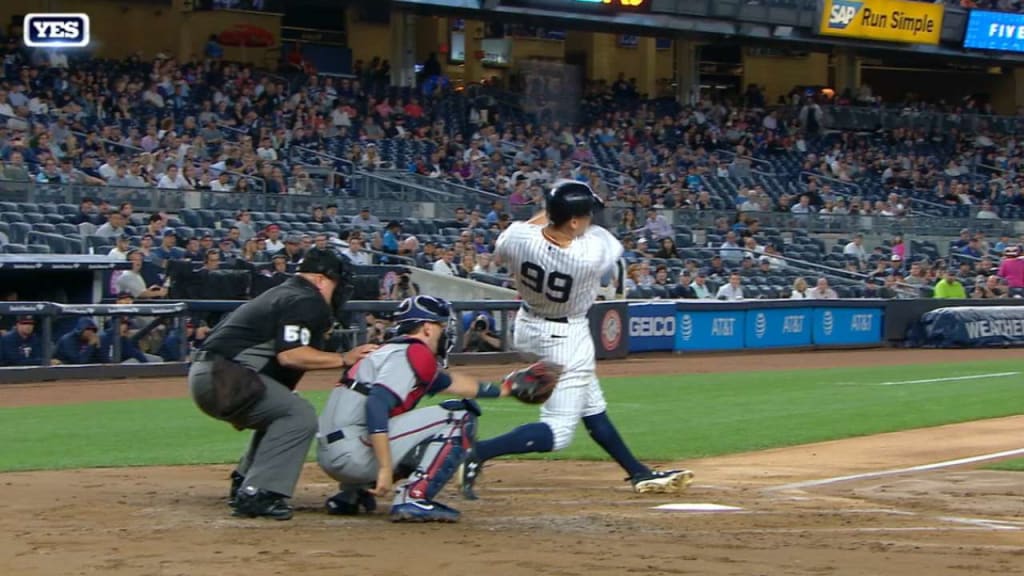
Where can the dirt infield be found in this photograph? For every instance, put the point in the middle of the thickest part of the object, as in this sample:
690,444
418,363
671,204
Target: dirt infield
564,518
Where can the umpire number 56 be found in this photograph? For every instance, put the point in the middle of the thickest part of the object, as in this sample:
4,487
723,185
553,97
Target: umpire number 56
294,333
554,286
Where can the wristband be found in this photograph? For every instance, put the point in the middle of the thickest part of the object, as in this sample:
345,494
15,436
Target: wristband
488,390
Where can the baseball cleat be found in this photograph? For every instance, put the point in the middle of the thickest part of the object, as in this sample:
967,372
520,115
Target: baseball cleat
348,503
423,511
236,485
661,481
468,472
254,503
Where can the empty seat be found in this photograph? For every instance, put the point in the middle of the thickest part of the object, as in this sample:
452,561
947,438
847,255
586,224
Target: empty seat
15,249
38,249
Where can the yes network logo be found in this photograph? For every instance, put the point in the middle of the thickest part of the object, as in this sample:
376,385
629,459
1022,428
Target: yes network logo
56,30
843,12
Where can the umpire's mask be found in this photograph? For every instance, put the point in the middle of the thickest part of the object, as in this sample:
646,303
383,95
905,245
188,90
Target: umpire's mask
336,267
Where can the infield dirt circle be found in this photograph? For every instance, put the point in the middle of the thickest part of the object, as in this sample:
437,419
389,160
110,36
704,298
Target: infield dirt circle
564,518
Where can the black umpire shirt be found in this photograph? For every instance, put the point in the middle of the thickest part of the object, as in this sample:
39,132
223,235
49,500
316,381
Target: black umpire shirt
288,316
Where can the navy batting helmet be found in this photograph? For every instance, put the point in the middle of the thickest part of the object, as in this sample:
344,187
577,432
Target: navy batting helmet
569,199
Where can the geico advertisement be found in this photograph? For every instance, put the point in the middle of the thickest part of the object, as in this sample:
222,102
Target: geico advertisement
890,20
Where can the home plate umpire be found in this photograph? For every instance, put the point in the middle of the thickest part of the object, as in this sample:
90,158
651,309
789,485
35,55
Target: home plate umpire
247,370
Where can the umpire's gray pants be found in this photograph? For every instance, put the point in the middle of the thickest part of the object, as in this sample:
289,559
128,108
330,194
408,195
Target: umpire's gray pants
284,425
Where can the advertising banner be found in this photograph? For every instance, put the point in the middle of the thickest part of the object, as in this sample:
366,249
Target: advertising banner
652,327
778,327
711,330
1000,31
886,20
847,326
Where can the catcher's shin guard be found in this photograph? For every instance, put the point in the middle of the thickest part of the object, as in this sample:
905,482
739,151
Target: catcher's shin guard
441,457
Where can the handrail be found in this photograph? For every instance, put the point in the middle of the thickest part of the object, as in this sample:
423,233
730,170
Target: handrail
453,184
230,128
771,168
836,181
323,154
375,176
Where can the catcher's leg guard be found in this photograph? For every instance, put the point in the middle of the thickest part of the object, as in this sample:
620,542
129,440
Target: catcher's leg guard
439,457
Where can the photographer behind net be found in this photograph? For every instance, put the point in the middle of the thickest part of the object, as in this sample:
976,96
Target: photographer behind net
404,288
480,334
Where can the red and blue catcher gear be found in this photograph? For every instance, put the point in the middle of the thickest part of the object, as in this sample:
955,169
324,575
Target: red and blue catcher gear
438,458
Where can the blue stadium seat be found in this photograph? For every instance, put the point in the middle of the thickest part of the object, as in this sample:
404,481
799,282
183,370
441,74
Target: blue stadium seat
13,248
38,249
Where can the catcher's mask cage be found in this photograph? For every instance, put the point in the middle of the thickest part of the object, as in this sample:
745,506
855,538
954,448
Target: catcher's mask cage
416,310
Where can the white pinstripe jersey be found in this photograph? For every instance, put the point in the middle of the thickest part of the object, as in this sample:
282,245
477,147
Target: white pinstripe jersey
557,282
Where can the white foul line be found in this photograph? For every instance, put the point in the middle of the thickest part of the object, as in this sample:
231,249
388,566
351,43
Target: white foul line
897,471
950,379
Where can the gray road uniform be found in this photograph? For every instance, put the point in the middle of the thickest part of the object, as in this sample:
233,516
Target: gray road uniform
380,394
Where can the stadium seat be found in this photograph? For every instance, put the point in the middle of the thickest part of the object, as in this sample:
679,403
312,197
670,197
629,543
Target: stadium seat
38,249
15,249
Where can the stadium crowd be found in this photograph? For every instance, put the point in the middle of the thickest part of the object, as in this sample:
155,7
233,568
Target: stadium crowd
228,128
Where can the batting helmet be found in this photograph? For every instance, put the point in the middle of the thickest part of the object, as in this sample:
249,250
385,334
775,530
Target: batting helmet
334,266
569,199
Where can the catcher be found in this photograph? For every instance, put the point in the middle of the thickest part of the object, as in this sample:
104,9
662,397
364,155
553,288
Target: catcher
371,434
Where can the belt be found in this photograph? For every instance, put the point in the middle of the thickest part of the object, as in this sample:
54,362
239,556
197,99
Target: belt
207,356
334,436
560,320
358,387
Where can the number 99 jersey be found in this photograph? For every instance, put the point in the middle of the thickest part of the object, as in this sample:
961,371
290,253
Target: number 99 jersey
557,282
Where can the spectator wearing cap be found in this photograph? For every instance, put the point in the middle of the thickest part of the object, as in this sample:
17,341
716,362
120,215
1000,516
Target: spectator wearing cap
425,259
389,241
130,351
365,219
963,240
22,346
950,286
168,249
171,349
274,243
292,248
683,287
973,248
700,287
1011,269
228,252
895,263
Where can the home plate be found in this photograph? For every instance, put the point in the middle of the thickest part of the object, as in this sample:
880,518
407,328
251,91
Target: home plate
685,507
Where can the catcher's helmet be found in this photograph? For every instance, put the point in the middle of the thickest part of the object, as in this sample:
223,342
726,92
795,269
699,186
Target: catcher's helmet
569,199
416,310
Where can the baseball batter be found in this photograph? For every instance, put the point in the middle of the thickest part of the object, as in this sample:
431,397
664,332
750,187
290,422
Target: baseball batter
371,433
558,259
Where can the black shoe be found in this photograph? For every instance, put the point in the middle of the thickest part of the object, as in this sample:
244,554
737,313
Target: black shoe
348,503
252,502
236,485
469,472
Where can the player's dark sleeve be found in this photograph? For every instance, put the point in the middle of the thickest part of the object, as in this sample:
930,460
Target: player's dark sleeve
424,365
379,404
300,322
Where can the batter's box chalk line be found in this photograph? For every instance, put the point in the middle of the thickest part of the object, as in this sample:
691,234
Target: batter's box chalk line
696,507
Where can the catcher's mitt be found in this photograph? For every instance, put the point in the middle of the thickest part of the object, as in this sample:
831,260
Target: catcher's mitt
533,384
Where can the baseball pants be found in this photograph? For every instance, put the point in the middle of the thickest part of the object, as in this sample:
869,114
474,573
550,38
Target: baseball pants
570,345
350,460
283,424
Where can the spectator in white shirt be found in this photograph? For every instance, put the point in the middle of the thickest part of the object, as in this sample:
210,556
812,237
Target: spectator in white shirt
800,290
121,248
222,183
803,207
109,169
822,291
446,265
855,249
113,227
266,151
355,251
732,290
986,212
700,287
173,180
730,251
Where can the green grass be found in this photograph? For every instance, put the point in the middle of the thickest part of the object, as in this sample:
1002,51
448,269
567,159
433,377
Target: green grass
1015,465
662,418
